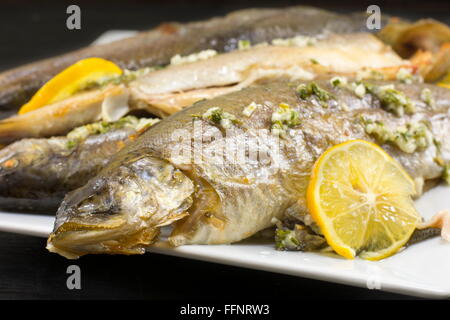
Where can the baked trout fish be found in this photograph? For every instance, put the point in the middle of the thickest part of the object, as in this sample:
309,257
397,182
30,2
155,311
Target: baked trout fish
224,169
36,174
157,46
165,91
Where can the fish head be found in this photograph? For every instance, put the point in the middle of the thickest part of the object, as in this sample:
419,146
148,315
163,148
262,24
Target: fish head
20,167
121,210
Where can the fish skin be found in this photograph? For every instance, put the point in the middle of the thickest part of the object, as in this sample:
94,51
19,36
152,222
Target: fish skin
36,174
158,45
168,90
123,207
420,235
335,54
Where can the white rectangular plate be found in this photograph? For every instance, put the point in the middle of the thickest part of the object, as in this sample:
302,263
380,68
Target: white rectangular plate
421,270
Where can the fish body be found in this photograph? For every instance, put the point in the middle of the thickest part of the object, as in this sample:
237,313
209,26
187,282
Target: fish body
166,91
157,46
244,174
36,174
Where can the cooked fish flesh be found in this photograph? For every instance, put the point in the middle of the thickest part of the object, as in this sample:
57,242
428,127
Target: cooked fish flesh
157,46
226,168
59,118
166,91
36,174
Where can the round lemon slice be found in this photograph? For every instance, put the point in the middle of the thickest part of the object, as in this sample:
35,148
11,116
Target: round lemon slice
70,80
361,199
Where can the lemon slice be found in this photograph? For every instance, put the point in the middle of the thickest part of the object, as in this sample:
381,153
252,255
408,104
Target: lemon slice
361,199
70,80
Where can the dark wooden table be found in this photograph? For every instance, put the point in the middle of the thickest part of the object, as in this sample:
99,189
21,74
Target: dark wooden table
32,30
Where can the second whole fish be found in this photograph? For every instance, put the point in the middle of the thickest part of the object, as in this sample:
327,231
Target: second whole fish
224,169
166,91
36,174
156,47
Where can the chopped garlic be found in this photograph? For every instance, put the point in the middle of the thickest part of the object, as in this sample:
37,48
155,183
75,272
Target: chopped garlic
369,74
250,109
338,81
129,75
285,114
285,239
360,90
226,123
284,117
427,96
405,75
408,138
392,100
307,90
79,134
244,44
298,41
344,107
202,55
218,116
278,129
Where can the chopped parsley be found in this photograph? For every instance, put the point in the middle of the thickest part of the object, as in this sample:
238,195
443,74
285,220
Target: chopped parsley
408,138
244,44
285,239
369,74
338,81
427,96
80,134
306,91
198,56
218,116
299,238
298,41
250,109
405,76
392,100
284,117
126,77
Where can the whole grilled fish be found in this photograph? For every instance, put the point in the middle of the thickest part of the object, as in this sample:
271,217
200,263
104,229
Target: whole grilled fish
223,169
157,46
168,90
36,174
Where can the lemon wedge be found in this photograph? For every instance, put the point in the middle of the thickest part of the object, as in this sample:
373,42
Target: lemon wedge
70,80
361,199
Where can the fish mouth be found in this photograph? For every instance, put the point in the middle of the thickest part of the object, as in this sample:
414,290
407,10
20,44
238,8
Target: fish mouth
72,240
